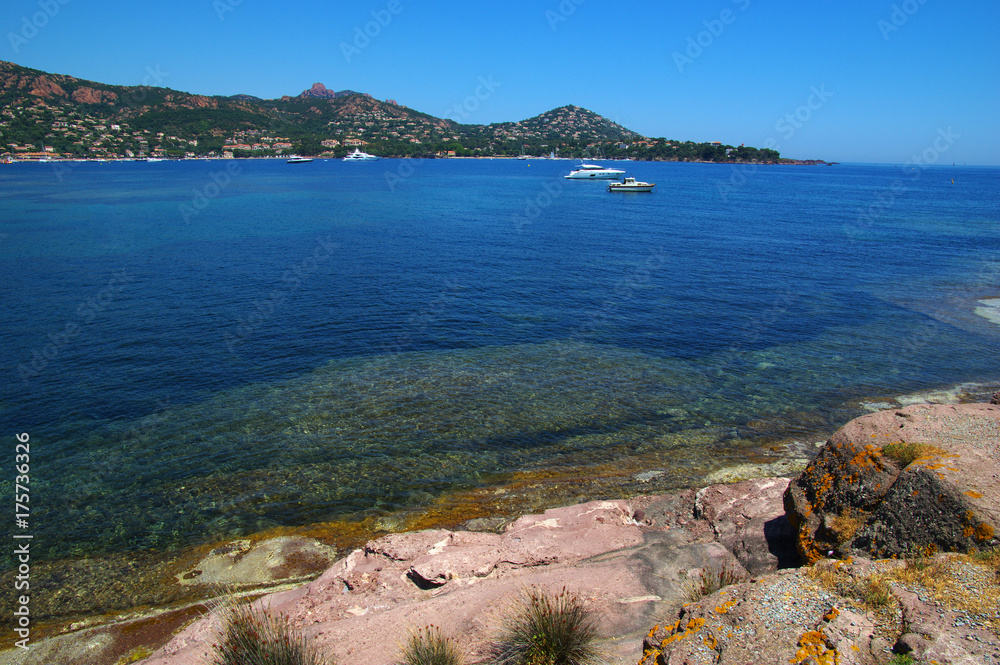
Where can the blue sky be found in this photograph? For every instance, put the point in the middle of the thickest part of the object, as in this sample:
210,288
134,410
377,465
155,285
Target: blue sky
853,80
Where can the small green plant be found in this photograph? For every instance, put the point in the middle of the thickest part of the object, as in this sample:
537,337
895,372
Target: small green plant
429,646
711,579
905,453
547,630
252,636
902,659
135,655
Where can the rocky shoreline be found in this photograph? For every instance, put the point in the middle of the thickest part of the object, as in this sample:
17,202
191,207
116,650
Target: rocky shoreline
634,562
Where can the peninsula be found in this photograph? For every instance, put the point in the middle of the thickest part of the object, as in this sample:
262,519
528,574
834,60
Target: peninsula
53,116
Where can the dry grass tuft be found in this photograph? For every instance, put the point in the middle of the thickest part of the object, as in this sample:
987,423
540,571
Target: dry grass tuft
870,592
252,636
429,646
711,579
547,630
845,525
968,583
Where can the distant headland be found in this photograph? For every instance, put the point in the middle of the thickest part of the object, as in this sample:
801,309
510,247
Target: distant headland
53,116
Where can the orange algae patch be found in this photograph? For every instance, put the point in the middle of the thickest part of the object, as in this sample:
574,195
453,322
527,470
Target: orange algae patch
812,644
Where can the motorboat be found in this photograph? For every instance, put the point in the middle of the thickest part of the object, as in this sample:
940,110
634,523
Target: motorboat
631,185
298,160
359,156
587,171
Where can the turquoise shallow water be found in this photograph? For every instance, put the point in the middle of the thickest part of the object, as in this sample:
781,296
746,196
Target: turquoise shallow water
200,353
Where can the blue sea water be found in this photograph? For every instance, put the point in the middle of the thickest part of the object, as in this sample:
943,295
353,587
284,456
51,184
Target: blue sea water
201,350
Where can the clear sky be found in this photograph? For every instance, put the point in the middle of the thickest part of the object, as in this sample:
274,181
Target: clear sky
845,80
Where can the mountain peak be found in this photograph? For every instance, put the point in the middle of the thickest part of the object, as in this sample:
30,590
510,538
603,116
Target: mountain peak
318,90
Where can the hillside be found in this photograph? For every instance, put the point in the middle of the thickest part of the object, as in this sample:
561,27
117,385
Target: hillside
59,116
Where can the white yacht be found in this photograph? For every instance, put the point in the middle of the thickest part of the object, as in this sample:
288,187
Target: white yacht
295,159
587,171
631,185
358,156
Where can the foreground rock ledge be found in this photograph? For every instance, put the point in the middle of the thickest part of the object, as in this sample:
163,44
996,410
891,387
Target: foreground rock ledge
632,563
629,561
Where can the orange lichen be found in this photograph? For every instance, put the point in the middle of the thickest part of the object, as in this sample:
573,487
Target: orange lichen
832,614
973,493
867,457
812,644
711,642
692,627
649,656
983,532
726,606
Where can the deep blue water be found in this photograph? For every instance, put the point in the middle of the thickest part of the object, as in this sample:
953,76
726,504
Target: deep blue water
199,353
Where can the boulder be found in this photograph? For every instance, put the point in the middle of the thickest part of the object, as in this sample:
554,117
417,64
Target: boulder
860,496
744,521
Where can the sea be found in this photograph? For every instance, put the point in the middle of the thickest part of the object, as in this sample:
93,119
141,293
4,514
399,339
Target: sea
199,351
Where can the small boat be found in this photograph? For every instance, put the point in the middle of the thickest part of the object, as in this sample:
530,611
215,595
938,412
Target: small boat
298,160
587,171
631,185
358,156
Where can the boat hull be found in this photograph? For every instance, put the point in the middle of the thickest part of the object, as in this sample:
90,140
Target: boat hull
610,174
618,187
